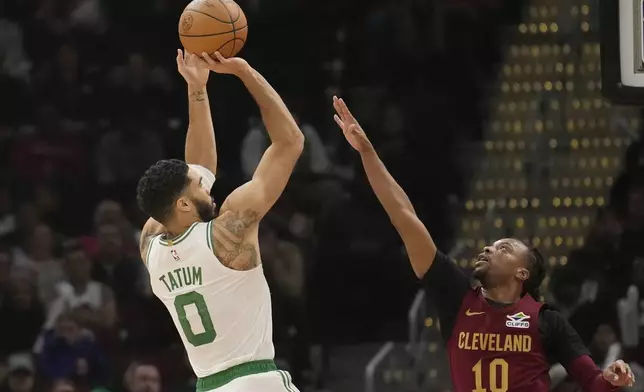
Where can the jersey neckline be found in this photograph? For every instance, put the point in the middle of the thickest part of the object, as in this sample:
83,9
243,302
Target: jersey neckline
174,241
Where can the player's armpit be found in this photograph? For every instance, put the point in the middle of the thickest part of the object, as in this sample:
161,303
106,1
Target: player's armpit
560,340
151,229
447,285
234,235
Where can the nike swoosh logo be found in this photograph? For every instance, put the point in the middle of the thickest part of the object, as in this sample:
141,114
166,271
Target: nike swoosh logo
470,313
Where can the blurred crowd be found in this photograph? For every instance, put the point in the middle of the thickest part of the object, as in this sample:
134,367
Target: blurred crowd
90,99
599,287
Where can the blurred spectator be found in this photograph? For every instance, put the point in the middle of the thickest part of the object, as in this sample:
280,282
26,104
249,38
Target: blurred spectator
27,316
51,152
111,212
69,351
21,374
115,268
5,272
7,216
92,301
605,348
63,386
38,257
142,377
124,154
285,272
13,59
27,218
314,158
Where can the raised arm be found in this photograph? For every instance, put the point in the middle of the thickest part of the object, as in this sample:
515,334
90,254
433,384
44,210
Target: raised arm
201,148
257,196
418,242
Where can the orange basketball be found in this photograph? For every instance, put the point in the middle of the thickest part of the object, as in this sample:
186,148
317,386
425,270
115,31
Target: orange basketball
213,25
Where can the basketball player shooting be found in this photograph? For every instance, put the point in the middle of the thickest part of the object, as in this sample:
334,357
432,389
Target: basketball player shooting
206,270
499,336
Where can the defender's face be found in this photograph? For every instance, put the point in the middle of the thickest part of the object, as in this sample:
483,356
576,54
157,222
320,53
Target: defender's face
500,261
200,197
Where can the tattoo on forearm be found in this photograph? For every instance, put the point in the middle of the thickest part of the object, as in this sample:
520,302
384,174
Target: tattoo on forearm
231,246
198,96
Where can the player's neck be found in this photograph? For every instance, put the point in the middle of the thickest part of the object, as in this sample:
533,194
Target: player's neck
177,228
502,294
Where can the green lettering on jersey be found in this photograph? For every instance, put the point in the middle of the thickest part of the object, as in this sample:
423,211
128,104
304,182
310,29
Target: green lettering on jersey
178,276
187,278
162,278
181,277
196,276
173,283
193,298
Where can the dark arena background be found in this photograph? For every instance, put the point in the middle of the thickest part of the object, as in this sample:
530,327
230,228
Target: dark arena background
499,118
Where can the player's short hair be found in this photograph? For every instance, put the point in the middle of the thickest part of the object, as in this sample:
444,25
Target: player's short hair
537,268
160,186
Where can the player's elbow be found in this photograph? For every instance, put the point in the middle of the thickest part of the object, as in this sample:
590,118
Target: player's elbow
297,143
292,146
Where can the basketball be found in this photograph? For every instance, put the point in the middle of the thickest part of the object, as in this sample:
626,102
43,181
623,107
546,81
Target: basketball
213,25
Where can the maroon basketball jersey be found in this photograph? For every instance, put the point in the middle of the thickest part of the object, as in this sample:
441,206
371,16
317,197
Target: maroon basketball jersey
497,349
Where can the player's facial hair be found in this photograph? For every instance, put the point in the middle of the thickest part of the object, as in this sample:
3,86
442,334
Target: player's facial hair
481,276
204,210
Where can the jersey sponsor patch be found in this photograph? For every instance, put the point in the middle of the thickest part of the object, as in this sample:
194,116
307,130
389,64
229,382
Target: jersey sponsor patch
518,320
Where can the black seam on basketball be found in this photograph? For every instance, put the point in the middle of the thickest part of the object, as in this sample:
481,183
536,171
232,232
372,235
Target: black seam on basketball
210,16
226,43
233,23
213,34
239,12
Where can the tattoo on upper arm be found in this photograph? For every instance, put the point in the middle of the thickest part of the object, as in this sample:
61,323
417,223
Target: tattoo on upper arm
232,248
198,96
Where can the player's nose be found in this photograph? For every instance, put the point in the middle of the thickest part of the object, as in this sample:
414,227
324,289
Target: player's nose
487,250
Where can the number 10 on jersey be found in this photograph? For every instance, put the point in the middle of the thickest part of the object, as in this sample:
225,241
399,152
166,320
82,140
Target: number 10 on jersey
497,376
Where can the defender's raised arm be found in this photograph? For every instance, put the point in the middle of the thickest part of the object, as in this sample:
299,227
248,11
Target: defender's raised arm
418,242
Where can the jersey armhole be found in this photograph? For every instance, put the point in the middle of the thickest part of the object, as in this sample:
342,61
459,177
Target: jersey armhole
209,236
147,253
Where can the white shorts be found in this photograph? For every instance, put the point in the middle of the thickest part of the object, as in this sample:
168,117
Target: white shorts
273,381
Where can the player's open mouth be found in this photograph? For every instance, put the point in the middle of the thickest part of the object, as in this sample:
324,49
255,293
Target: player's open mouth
482,259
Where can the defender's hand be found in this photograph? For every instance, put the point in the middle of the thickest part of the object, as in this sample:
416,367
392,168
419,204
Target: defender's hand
619,374
350,127
231,66
193,68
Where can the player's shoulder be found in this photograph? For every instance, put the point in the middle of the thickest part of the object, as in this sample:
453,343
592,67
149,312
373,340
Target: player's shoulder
551,317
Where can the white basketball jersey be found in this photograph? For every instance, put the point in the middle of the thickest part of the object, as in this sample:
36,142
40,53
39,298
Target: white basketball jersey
223,316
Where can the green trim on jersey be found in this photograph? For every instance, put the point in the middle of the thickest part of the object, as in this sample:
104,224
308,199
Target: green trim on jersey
147,254
209,235
286,379
178,238
222,378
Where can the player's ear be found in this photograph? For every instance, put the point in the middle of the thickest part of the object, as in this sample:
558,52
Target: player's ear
522,274
183,204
